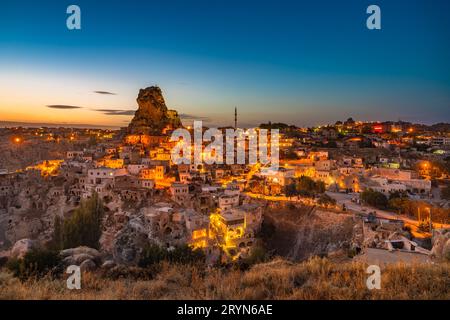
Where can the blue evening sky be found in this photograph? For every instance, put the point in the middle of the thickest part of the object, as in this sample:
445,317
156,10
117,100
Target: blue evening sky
300,62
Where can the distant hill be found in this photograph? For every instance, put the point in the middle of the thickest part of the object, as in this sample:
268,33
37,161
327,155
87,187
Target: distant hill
9,124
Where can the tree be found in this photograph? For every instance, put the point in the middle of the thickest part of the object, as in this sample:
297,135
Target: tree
290,190
331,144
365,143
289,154
320,187
308,187
399,204
445,193
424,225
398,194
326,200
57,237
84,227
305,186
374,198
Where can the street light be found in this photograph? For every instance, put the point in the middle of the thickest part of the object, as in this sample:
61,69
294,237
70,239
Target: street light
17,140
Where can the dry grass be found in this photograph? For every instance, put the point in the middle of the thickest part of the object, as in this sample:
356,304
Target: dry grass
278,279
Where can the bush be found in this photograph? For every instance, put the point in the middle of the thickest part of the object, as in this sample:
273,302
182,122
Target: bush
186,255
3,261
83,228
326,200
36,263
153,254
305,186
445,193
424,225
257,255
130,272
374,198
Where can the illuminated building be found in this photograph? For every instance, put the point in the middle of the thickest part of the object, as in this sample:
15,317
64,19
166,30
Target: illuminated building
113,163
179,192
155,172
145,140
378,128
74,154
234,230
47,167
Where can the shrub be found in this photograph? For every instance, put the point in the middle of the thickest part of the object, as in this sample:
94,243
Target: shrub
186,255
305,186
3,261
84,227
36,263
130,272
445,193
326,200
153,254
374,198
256,255
424,225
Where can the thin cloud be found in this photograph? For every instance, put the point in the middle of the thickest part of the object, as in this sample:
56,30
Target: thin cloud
62,106
193,117
104,92
114,112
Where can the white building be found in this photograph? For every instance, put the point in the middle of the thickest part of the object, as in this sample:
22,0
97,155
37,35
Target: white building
228,201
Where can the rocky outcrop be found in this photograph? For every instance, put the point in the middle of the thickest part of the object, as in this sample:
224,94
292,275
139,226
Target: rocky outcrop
29,211
88,265
80,250
22,247
301,233
129,242
87,258
441,244
152,116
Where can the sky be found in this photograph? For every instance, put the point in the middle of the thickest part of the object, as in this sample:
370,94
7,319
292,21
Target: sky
299,62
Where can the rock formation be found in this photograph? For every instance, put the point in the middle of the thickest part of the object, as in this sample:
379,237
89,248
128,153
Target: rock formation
129,242
87,258
441,244
22,247
152,116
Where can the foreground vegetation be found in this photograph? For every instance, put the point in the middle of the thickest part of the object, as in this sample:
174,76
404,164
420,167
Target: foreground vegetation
277,279
83,228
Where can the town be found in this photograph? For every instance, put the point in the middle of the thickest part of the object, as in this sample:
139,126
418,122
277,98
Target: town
376,191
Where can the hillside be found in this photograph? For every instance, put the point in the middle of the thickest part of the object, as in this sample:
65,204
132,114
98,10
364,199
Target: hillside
277,279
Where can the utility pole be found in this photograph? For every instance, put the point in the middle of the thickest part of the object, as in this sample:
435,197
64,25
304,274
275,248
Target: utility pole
235,118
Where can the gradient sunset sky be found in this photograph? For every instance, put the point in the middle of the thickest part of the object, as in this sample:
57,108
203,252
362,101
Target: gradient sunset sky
298,62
